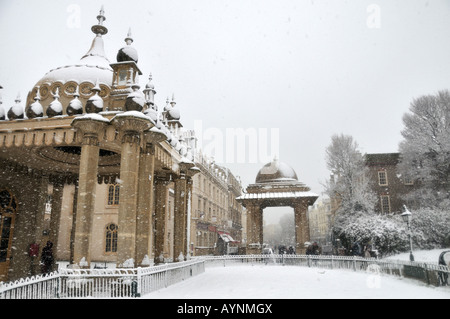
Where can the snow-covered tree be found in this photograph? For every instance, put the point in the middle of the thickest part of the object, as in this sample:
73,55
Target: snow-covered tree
386,233
430,228
425,150
349,183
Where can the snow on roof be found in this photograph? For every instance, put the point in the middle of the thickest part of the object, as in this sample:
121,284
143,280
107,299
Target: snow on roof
92,116
134,114
277,195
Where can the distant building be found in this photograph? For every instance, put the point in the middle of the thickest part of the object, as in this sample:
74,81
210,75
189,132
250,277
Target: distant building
216,226
320,219
387,183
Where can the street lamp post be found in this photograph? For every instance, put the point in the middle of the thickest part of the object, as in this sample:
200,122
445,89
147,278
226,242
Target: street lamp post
407,218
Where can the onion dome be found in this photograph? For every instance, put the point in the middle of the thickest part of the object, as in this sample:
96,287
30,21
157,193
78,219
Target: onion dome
16,111
128,52
75,106
152,113
95,103
55,108
83,73
35,109
135,100
172,112
150,92
276,172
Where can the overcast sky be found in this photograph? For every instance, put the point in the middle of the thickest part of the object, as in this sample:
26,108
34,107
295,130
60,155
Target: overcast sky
305,68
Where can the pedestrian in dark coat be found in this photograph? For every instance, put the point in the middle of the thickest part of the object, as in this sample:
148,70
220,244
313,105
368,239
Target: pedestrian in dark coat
47,258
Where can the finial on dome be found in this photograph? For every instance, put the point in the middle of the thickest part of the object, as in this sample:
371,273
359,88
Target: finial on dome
129,38
16,111
101,17
95,103
75,106
149,91
96,88
55,107
56,94
173,103
35,109
128,52
99,29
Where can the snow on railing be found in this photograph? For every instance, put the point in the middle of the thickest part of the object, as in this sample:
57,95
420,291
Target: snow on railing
135,282
101,283
432,274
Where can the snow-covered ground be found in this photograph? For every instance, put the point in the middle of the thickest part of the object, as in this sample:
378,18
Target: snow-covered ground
426,256
291,282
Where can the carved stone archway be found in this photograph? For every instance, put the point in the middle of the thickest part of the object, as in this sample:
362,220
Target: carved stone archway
276,185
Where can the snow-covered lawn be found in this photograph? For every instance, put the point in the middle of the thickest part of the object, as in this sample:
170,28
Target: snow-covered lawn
291,282
427,256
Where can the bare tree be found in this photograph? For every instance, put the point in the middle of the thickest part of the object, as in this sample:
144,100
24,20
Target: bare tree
425,150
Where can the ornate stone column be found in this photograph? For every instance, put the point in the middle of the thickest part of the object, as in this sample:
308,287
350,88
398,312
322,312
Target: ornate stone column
89,129
161,199
183,188
254,228
301,226
144,226
55,219
38,225
180,218
130,126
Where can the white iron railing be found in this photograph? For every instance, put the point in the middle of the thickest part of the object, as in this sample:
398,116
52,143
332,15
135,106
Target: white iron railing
101,283
432,274
135,282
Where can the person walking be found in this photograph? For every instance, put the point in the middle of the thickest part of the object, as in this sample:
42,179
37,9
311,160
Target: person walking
47,258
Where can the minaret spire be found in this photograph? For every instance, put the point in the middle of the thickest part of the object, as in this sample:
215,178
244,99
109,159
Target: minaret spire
99,29
97,47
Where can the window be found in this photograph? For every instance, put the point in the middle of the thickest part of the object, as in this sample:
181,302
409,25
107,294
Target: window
111,238
385,204
407,180
123,75
382,178
113,194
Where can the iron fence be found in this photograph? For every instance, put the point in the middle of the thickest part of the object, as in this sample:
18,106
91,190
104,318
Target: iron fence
432,274
135,282
101,283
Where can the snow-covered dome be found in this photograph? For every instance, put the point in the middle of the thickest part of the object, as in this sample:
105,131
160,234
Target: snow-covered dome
128,52
55,108
173,113
35,109
135,100
95,102
93,66
75,106
276,172
16,111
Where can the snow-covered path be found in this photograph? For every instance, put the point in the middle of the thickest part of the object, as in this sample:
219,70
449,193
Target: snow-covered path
285,282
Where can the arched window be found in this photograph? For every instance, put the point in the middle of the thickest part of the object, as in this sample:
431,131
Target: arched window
111,238
113,194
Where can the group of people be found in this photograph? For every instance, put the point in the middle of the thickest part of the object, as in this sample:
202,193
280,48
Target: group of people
47,260
314,249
